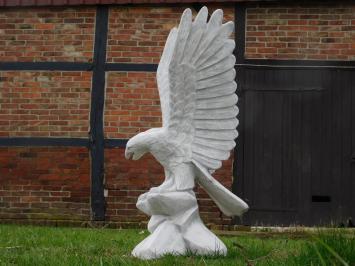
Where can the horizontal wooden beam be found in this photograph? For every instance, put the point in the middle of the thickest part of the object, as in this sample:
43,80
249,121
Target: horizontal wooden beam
74,66
131,67
60,142
115,143
46,66
261,63
43,141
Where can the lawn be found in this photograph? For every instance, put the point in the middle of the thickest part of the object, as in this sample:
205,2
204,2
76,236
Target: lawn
30,245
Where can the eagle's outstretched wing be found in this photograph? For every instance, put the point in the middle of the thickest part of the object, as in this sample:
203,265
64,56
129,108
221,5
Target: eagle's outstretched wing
197,91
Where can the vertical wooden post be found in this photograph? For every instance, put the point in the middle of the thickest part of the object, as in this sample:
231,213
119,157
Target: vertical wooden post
96,134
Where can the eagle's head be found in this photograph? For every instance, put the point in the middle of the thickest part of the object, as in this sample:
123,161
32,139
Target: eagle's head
140,144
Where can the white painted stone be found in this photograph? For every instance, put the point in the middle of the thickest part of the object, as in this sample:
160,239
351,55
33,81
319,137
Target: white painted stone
175,226
197,94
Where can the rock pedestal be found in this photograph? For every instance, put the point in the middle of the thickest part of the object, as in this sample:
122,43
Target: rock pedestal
175,226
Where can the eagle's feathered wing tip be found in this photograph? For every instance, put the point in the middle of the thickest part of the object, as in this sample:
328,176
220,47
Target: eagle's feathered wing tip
202,14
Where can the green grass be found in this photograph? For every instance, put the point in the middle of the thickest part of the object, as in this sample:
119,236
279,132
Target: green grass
30,245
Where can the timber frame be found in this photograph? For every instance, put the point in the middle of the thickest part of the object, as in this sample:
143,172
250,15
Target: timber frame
95,141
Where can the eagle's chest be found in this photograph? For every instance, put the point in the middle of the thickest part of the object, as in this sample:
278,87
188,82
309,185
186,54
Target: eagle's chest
168,153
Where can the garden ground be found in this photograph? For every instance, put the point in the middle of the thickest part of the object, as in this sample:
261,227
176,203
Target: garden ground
34,245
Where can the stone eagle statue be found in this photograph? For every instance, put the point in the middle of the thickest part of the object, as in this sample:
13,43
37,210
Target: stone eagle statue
197,93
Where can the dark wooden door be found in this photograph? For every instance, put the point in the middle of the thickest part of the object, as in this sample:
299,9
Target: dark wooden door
294,158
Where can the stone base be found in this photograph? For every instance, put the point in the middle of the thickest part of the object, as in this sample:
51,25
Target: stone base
175,227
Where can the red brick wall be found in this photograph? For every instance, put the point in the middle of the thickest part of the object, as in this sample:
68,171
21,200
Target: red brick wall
47,34
132,104
125,181
307,31
42,184
45,184
45,104
137,34
53,183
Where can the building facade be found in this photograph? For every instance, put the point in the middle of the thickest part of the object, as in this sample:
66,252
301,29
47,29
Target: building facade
77,80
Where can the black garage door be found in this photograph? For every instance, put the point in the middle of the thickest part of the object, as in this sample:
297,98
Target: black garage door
295,155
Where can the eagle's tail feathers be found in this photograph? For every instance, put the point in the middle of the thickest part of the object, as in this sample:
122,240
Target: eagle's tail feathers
230,204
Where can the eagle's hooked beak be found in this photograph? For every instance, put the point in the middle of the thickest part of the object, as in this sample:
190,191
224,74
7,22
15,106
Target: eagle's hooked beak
134,155
128,154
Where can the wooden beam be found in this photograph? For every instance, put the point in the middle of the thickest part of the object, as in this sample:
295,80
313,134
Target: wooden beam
96,116
131,67
45,66
43,141
115,143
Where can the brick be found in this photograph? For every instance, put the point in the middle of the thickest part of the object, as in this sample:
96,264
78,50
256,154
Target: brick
311,23
43,36
131,97
24,190
137,34
40,103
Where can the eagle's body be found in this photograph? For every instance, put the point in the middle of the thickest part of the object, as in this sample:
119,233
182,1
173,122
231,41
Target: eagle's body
179,170
197,94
